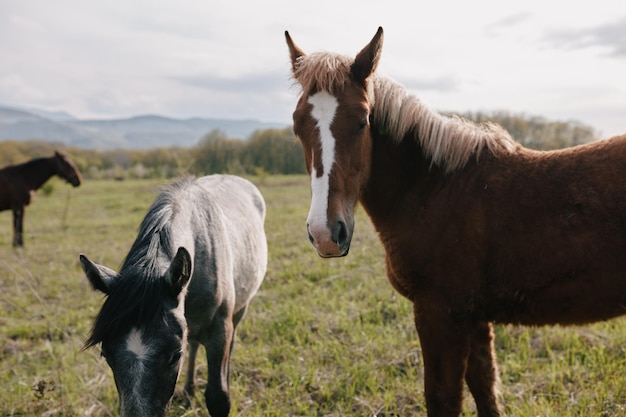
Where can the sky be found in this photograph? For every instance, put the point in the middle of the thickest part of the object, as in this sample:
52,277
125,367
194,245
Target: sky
97,59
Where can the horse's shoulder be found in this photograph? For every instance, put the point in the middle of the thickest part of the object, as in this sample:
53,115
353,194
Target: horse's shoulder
12,182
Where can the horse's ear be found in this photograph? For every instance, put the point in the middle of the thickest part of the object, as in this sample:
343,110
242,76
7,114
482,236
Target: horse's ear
179,271
99,276
366,61
294,51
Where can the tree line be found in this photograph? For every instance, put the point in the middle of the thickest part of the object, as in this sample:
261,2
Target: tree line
265,152
537,132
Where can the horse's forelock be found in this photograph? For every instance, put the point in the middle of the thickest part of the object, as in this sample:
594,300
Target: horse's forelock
131,303
323,71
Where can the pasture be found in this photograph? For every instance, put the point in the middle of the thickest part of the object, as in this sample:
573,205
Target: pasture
321,338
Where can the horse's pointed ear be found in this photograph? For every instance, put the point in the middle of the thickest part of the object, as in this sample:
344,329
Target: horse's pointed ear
100,277
180,271
294,51
366,61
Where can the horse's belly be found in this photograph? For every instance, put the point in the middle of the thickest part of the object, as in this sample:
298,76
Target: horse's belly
559,305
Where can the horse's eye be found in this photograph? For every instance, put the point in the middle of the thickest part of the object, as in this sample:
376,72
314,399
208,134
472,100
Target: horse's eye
362,125
175,357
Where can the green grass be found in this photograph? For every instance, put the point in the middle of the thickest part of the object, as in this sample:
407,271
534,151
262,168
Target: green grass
322,337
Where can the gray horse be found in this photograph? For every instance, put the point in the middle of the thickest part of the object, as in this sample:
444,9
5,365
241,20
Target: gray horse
199,258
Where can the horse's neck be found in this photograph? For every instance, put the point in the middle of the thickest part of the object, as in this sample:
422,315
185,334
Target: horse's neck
37,172
397,170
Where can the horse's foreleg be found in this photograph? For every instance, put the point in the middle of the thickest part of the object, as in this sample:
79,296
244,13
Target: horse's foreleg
482,371
217,392
190,382
445,350
18,230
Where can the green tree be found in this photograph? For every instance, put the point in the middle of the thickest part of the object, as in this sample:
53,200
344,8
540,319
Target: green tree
216,153
275,151
537,132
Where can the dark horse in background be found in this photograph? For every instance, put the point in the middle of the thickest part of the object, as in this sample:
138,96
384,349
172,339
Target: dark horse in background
476,229
18,183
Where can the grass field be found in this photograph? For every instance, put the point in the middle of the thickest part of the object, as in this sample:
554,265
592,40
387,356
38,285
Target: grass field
322,337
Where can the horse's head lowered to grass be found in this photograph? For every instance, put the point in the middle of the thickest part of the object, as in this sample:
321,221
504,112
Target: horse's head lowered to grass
143,342
199,258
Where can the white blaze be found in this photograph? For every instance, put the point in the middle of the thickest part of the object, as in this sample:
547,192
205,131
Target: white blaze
324,108
136,345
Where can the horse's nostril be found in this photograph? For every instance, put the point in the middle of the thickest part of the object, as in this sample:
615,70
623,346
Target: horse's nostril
310,235
339,233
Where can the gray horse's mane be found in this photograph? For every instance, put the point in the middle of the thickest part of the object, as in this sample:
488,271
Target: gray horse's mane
154,239
137,293
447,141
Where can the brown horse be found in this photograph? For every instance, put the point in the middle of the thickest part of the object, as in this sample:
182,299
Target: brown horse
477,229
18,183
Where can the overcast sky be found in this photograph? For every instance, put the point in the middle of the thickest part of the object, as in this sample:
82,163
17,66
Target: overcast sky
563,60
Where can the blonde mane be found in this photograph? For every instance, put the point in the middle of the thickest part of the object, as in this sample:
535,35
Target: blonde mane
449,141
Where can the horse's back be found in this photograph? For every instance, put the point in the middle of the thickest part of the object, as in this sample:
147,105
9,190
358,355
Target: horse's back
239,208
231,247
233,192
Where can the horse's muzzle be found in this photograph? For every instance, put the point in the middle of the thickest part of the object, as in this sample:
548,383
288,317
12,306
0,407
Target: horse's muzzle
333,241
75,181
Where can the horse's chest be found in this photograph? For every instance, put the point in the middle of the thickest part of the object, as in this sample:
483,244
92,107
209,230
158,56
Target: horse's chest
415,269
402,272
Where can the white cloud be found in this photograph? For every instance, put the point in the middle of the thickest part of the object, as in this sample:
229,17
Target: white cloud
229,59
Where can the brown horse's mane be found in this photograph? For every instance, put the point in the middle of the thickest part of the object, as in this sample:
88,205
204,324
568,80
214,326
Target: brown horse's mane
449,141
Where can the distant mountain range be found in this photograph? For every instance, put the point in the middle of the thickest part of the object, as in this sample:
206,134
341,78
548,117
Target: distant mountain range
140,132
